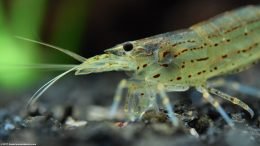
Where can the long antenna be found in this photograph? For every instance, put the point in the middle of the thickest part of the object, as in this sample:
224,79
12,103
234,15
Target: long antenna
72,54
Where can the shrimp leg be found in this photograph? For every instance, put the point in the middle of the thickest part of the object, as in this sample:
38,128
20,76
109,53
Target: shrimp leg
118,97
166,102
215,104
234,100
237,87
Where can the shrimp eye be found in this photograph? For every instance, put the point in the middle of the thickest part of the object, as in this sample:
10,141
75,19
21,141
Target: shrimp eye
128,46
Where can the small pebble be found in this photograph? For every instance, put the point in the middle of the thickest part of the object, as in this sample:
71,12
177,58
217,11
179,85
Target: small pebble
9,126
70,122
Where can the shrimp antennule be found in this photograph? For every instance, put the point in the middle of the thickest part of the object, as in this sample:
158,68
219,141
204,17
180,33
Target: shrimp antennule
40,91
71,54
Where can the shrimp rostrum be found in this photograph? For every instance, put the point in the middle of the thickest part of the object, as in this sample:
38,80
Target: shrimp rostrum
176,61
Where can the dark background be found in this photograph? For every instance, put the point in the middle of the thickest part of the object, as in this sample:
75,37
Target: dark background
114,21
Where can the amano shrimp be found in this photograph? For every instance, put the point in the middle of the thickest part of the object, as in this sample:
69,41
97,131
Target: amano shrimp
176,61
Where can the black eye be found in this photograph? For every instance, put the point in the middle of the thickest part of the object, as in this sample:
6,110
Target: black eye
128,46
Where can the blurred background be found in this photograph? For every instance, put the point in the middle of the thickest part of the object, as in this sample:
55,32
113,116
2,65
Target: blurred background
86,27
